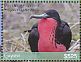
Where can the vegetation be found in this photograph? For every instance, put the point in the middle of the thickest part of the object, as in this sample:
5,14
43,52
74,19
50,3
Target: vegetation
16,21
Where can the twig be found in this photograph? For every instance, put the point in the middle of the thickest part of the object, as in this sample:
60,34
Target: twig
73,45
74,25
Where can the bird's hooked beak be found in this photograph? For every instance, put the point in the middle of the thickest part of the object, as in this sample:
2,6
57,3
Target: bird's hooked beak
39,16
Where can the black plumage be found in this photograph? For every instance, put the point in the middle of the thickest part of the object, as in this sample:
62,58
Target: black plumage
33,38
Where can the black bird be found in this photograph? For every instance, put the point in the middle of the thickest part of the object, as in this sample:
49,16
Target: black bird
63,34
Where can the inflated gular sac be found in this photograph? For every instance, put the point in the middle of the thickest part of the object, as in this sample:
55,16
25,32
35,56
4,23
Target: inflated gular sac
46,42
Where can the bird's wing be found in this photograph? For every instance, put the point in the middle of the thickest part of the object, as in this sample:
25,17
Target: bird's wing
33,38
67,36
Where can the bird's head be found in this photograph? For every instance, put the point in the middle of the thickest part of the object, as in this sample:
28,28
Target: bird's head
47,14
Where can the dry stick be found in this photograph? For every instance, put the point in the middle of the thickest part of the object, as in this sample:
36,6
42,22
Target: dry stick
78,45
23,37
74,25
73,45
14,49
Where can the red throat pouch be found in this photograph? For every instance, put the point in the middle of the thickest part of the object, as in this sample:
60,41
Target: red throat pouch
46,43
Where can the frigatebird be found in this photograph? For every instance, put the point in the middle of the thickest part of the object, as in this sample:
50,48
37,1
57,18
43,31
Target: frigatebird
44,35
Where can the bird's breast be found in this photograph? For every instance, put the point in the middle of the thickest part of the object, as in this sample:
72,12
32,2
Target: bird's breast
46,28
46,42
